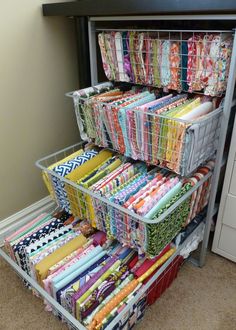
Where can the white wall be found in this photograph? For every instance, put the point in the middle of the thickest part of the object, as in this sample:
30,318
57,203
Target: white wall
37,67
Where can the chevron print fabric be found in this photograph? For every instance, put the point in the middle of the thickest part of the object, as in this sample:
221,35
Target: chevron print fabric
63,170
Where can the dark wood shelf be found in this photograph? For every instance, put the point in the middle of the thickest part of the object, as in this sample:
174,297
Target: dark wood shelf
138,7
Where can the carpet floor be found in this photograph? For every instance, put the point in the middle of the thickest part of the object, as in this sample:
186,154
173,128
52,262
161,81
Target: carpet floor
199,299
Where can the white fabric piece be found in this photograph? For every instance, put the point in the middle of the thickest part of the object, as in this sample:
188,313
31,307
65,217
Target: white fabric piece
201,141
193,244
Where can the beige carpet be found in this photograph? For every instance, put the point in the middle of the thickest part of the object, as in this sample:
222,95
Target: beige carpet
199,299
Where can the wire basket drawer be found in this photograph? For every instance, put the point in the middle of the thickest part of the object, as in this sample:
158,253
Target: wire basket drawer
134,308
147,235
176,144
171,59
132,311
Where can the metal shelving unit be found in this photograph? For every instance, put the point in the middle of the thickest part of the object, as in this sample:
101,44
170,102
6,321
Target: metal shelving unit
228,103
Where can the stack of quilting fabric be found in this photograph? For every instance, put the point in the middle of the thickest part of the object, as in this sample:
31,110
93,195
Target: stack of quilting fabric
174,131
141,191
90,276
178,61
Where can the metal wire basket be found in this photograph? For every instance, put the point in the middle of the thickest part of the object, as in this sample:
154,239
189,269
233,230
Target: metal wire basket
181,60
177,144
146,235
133,310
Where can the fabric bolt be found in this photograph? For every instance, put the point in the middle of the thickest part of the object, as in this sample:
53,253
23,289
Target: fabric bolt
174,65
26,228
165,63
47,250
156,237
70,277
79,98
19,249
64,295
132,203
135,314
78,174
103,290
47,177
119,308
122,119
129,173
88,254
149,262
43,266
120,59
154,197
184,63
98,318
102,278
8,241
164,200
176,133
108,264
89,318
156,62
212,68
108,178
63,170
49,281
105,60
103,169
44,222
63,261
48,240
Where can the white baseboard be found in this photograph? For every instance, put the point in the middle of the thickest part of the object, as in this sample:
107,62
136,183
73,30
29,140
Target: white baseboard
24,216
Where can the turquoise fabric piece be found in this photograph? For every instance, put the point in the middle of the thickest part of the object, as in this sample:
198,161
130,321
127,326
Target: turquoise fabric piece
76,272
164,200
77,265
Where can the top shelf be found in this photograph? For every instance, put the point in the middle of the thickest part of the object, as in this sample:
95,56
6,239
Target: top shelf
138,7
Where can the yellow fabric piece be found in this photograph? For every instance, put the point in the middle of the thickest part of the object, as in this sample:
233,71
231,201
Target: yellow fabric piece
157,264
74,195
88,200
176,132
195,103
41,269
46,176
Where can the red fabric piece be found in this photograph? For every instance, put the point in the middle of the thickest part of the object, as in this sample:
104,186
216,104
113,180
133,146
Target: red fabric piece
133,262
150,262
164,280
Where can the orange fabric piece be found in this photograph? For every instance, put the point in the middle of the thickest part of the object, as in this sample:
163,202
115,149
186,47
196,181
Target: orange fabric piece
113,303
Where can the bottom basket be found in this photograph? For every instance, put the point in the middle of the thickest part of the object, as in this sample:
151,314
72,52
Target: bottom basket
134,309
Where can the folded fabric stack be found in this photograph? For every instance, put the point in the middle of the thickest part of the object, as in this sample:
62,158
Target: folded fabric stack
139,190
177,61
173,131
90,276
156,236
